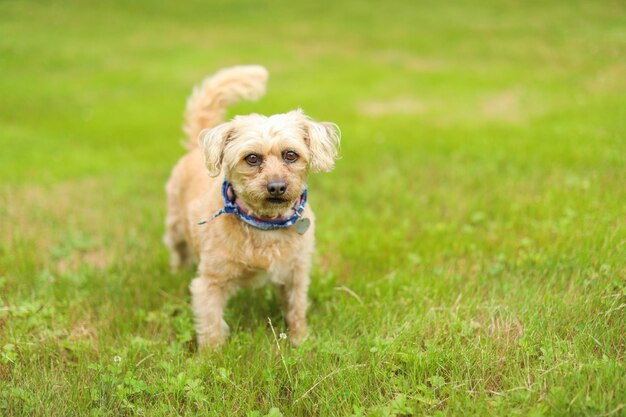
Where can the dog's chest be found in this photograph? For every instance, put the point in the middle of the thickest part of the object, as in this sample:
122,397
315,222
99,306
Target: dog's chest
267,250
259,278
262,253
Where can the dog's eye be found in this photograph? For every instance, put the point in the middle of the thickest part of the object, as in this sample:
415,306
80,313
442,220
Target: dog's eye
253,159
290,156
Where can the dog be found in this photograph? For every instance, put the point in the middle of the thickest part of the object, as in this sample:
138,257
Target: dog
237,201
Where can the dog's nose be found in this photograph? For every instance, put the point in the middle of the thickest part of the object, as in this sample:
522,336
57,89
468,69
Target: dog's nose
276,188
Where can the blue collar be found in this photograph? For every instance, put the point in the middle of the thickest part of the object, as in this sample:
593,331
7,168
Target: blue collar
230,207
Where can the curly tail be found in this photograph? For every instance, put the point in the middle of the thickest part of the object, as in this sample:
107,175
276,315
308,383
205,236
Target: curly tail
207,104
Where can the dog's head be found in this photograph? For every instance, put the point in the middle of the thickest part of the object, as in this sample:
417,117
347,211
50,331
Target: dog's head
267,159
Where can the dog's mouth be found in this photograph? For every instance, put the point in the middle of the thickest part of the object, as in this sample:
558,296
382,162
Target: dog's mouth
276,200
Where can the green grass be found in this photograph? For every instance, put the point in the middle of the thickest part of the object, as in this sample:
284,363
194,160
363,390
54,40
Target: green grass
471,254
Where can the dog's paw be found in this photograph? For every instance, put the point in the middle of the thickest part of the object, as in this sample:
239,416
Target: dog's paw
299,335
176,262
210,342
213,338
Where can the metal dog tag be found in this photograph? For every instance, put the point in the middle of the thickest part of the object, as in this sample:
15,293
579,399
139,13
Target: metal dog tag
302,225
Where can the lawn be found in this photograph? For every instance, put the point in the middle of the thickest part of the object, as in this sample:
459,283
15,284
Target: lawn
471,242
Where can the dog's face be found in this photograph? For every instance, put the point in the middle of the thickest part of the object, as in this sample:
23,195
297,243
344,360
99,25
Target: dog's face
267,159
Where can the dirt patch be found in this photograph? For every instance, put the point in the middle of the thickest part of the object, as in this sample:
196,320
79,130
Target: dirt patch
609,80
82,331
34,210
97,259
504,106
395,106
64,223
314,50
407,61
354,50
506,330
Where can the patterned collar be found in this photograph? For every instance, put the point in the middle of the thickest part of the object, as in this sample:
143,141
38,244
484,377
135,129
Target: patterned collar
231,207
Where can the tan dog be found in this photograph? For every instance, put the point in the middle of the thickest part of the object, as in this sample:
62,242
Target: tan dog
266,161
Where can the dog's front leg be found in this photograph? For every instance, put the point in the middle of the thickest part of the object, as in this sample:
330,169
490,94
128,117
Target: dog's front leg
295,296
209,298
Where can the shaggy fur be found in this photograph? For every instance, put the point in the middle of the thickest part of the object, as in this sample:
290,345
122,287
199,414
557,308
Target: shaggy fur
231,254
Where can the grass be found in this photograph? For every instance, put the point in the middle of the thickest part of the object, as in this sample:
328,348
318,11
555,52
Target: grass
471,253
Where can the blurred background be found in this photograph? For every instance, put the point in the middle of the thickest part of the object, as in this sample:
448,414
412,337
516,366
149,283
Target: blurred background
483,170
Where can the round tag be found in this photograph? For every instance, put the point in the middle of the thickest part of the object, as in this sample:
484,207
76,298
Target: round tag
302,225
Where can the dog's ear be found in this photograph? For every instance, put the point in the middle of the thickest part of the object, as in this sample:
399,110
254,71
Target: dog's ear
213,141
323,139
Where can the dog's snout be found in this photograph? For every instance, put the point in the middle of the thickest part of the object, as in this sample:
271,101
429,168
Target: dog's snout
276,188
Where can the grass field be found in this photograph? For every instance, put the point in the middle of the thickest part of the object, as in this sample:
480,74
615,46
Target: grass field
471,253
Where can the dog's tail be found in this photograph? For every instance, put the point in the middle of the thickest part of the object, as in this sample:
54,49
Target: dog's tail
207,104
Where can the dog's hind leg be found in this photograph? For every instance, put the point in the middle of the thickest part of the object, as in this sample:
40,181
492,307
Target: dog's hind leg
174,238
179,251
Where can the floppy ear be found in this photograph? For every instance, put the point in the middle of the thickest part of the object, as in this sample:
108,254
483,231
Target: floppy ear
213,142
323,139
